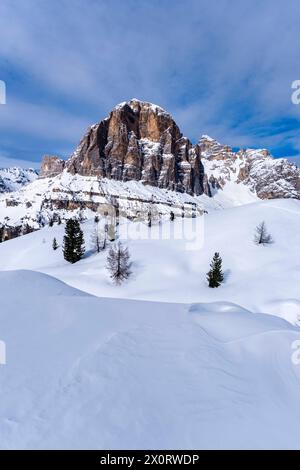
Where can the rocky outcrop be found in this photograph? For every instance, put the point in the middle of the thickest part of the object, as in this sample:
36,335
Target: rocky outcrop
51,166
269,178
140,141
8,232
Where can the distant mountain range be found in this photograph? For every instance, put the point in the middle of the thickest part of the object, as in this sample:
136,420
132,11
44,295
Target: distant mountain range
12,179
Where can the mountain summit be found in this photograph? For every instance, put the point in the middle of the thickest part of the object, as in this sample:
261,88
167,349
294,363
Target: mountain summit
138,141
138,160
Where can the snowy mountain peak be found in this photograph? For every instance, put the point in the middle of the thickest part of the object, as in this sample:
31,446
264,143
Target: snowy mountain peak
135,156
135,104
12,179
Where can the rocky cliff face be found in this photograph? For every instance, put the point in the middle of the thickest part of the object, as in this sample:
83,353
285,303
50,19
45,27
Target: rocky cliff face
51,166
140,141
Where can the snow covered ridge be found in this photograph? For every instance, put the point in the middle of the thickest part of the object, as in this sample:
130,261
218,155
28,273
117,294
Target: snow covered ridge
12,179
64,196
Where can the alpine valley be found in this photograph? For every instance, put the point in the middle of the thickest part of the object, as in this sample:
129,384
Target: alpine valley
160,360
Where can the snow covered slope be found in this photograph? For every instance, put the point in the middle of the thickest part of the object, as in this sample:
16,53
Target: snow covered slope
85,372
171,260
67,195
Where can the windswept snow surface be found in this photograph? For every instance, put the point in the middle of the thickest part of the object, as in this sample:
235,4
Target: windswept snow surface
84,372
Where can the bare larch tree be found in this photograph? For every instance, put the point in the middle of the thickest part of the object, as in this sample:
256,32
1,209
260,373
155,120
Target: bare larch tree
118,263
261,236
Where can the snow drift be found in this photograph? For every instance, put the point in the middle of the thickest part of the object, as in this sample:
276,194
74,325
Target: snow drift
85,372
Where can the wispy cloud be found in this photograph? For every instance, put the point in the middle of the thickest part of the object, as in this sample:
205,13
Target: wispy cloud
222,67
8,161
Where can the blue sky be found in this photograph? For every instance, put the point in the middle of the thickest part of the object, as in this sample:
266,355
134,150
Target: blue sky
220,67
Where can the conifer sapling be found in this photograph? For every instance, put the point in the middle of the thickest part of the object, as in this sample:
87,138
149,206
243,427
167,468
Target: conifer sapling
215,276
54,244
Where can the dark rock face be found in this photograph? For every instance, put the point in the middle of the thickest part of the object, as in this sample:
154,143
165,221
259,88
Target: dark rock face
9,232
51,166
140,141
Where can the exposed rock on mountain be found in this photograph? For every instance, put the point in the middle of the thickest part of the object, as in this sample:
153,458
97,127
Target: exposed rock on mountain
51,166
140,141
138,162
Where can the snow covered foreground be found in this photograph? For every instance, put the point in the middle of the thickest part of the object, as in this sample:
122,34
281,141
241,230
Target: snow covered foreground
86,372
184,366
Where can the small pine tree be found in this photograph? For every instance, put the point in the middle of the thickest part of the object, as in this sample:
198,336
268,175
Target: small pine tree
172,216
215,275
118,263
54,244
261,236
73,248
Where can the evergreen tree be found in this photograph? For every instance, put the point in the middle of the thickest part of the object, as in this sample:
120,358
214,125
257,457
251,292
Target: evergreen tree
261,236
172,216
215,275
73,241
118,263
54,244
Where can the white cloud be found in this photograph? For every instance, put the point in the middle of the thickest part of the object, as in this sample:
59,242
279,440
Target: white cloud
221,67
